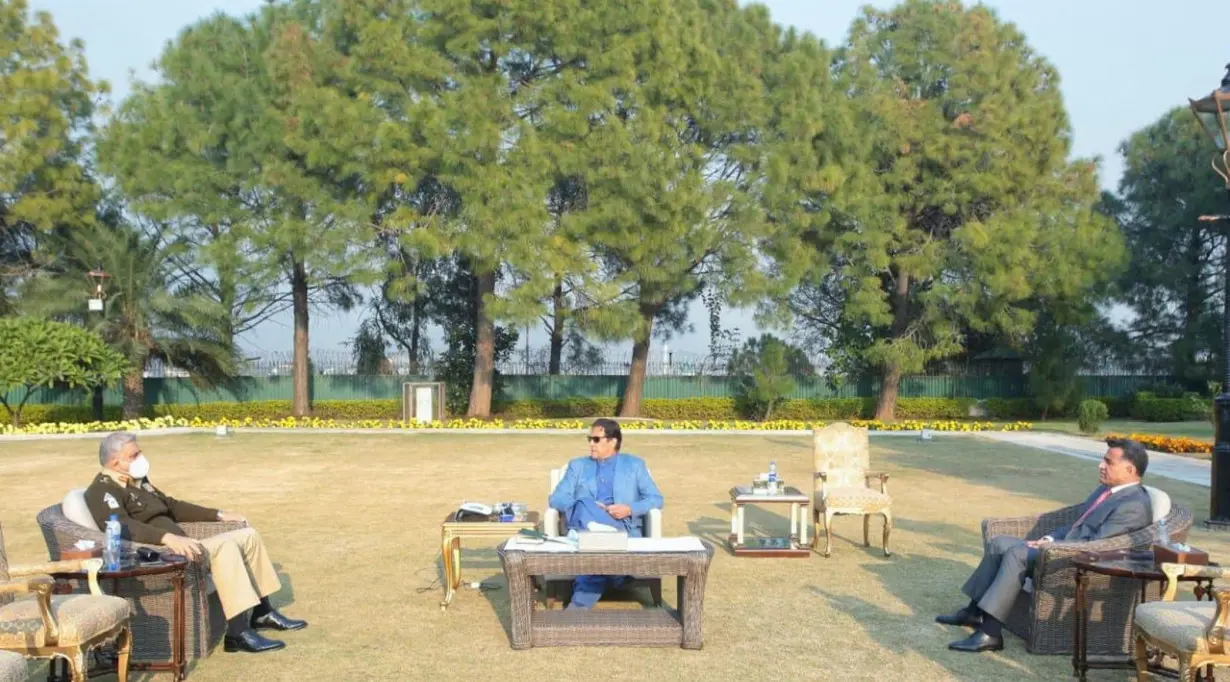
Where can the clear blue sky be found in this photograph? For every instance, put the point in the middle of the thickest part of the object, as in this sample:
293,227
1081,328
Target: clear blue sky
1123,64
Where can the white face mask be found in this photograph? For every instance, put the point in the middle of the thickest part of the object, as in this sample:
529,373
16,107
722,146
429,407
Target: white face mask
139,467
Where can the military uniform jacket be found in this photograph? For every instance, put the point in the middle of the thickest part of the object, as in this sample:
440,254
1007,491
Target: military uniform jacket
145,512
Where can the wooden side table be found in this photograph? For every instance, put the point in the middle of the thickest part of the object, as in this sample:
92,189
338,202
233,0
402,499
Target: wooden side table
793,546
1117,565
451,532
172,564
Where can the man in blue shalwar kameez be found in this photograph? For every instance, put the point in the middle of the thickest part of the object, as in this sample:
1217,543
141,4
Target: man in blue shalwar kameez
609,488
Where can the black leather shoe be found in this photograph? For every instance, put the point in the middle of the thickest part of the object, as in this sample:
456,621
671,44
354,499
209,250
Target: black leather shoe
965,617
276,621
251,642
978,642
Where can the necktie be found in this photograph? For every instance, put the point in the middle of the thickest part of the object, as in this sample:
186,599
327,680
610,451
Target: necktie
1101,498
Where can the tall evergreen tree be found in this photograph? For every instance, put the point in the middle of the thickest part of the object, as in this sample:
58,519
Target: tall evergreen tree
958,191
250,142
46,103
1174,283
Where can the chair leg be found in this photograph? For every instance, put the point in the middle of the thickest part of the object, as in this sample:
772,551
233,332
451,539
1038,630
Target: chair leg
866,530
1140,655
123,647
888,530
76,665
828,534
1187,673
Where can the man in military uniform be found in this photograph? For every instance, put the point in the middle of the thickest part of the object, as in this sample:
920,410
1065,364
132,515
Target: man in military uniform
238,563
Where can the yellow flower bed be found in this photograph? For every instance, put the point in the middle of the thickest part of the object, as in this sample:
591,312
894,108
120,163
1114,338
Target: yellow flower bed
315,423
1175,444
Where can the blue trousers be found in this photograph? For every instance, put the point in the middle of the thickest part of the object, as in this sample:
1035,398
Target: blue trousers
588,589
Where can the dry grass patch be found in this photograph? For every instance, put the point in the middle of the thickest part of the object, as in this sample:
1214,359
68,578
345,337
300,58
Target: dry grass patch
353,522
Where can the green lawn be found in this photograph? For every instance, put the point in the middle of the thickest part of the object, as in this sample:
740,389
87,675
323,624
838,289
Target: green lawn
353,524
1201,429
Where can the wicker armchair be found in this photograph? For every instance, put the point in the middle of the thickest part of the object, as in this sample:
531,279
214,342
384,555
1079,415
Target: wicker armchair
1043,615
1193,632
153,596
64,627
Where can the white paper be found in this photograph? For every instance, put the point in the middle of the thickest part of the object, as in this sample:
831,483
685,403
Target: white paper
682,544
84,544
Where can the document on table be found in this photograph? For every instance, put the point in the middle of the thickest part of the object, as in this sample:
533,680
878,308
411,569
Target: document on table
683,544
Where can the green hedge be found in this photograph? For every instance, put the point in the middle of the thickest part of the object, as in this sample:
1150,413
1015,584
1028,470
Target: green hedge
1148,408
815,409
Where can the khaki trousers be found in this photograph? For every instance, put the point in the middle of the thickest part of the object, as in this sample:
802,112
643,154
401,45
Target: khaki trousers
241,570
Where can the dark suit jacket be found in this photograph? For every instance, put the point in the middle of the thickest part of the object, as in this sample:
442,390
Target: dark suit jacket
1123,512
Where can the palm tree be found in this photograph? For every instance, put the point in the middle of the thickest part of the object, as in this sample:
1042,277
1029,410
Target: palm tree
150,313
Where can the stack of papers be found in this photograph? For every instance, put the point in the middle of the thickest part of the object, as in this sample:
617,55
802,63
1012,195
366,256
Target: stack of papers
681,544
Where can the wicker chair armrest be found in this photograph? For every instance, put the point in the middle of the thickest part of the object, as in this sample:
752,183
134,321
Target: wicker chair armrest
90,567
1031,527
41,586
199,530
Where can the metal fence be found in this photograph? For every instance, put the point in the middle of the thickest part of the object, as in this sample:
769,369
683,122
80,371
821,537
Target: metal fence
177,390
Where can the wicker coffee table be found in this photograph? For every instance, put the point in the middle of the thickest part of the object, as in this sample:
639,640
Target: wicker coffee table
624,627
451,533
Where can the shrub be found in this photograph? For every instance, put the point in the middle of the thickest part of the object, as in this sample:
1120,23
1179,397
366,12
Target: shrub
1091,415
762,372
1147,407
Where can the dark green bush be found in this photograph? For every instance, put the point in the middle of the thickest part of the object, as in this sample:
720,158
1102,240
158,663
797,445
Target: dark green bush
1091,415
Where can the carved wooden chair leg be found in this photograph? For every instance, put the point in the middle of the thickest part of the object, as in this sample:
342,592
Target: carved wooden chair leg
888,530
828,534
866,530
123,648
1141,657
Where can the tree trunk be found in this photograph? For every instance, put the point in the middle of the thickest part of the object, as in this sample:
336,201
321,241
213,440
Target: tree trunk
96,400
557,326
416,324
134,393
484,349
886,403
300,403
640,363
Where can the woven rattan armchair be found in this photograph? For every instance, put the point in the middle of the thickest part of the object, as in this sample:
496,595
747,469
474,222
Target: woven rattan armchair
153,596
60,626
1043,614
1193,632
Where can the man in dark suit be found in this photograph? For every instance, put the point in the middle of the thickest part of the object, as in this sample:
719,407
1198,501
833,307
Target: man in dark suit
1118,505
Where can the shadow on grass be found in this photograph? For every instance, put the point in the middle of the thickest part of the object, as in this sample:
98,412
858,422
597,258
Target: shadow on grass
926,586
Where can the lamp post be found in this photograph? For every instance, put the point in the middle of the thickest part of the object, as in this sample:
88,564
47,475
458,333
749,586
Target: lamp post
95,305
1212,112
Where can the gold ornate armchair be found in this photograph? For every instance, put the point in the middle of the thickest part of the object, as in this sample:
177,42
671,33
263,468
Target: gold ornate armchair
841,455
60,626
1194,632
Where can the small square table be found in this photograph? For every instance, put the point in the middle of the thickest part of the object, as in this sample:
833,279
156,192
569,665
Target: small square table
794,546
451,532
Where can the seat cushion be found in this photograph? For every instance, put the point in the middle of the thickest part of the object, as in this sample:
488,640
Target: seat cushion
81,617
862,499
76,510
1179,624
13,667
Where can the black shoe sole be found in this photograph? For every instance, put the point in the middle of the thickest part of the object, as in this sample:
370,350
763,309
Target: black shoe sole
963,623
976,651
232,649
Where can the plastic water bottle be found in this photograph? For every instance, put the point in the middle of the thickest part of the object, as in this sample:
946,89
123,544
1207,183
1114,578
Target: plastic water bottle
773,477
111,552
1163,536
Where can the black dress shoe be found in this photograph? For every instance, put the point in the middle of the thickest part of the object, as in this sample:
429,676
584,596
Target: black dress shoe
964,617
978,642
276,621
251,642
